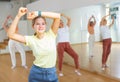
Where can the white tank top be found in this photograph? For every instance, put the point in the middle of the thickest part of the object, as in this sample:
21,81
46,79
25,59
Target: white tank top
105,32
63,34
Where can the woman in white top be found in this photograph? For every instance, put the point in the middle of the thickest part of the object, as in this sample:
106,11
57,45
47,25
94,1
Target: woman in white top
64,45
14,45
106,38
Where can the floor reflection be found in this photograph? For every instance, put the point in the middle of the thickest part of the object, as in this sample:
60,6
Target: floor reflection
115,61
94,64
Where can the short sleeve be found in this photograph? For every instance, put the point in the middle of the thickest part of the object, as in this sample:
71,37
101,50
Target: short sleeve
52,33
28,40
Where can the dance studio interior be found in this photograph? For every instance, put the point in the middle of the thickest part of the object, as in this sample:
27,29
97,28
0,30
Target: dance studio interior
79,11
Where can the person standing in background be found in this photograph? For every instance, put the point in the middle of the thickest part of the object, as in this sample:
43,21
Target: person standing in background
14,45
63,44
91,39
106,39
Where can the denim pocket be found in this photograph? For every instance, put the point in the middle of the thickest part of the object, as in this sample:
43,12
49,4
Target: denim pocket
43,74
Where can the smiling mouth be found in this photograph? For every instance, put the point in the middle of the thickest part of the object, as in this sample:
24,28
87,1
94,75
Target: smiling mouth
41,29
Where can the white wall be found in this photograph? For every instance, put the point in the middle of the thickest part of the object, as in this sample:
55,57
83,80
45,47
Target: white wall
23,29
9,8
79,21
115,30
12,7
59,5
5,10
78,14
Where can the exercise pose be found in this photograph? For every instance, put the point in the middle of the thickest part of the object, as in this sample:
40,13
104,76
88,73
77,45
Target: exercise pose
14,45
64,45
43,44
91,25
106,39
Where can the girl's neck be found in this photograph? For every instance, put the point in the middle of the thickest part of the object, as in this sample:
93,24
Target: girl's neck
40,35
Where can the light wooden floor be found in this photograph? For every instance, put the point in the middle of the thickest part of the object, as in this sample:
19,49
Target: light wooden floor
19,74
94,64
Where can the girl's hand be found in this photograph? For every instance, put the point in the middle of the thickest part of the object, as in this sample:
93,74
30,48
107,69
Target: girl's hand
32,15
22,11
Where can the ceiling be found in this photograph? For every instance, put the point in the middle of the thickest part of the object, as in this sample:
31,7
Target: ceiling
56,5
64,4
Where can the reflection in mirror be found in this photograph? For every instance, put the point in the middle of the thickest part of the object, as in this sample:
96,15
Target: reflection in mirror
79,38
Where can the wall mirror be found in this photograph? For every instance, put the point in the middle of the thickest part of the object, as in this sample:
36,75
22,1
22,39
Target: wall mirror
79,38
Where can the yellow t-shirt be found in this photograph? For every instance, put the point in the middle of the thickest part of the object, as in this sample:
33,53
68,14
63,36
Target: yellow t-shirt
43,49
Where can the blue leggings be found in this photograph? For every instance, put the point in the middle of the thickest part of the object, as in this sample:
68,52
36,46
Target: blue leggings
38,74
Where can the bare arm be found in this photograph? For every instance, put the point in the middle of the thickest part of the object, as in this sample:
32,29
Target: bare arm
94,20
5,24
22,11
112,22
89,21
5,28
68,19
103,18
56,20
12,30
54,16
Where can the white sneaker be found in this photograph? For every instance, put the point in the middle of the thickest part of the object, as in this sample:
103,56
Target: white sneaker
103,68
13,67
106,66
61,74
25,66
77,72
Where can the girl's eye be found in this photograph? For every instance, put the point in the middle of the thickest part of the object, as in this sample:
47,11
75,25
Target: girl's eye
40,24
37,24
43,23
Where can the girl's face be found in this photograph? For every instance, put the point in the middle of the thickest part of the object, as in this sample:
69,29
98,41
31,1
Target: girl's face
39,25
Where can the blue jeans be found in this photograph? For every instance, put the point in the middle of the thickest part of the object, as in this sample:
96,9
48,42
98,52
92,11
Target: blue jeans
38,74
